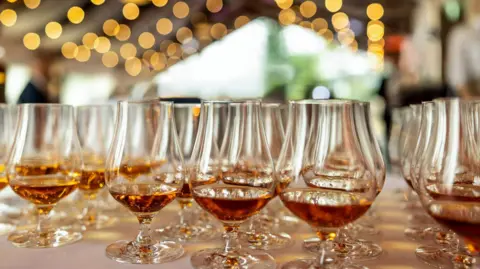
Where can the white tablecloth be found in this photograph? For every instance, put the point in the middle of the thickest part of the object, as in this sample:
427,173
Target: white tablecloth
90,252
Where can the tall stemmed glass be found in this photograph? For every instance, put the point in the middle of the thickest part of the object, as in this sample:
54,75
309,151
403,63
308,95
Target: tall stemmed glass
259,234
447,184
394,139
235,188
44,167
331,186
190,227
95,132
144,173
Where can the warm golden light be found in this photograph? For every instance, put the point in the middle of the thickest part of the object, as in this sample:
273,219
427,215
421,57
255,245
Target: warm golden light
346,36
204,41
158,61
375,30
308,9
103,44
123,32
83,54
31,4
241,21
184,35
53,30
69,50
287,16
148,54
31,41
12,1
354,46
76,15
160,3
110,59
133,66
333,5
284,4
111,27
198,18
376,48
218,30
328,35
90,40
130,11
172,60
306,24
2,77
375,11
8,17
181,10
214,6
164,26
340,20
146,40
98,2
164,44
202,30
128,50
380,42
174,49
319,24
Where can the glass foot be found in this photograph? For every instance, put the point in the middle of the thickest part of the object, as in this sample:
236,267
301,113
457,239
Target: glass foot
359,250
216,259
415,233
436,257
98,222
188,234
266,241
366,229
51,239
313,264
128,252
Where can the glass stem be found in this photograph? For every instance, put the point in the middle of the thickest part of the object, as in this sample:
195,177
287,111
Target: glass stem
232,246
327,258
144,238
89,213
43,224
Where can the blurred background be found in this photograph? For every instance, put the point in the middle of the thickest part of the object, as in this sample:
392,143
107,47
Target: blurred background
387,52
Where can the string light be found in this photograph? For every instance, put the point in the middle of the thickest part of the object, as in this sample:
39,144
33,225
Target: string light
284,4
133,66
308,9
90,40
123,32
128,50
214,6
103,44
111,27
8,17
12,1
218,30
287,16
319,24
130,11
164,44
83,54
164,26
354,46
346,36
181,10
53,30
241,21
333,5
31,41
110,59
158,61
306,24
328,35
340,20
160,3
146,40
375,30
148,54
375,11
75,15
69,50
98,2
174,49
184,35
31,4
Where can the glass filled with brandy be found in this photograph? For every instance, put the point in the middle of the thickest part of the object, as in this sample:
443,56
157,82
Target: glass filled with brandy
447,182
95,132
233,185
144,173
43,168
190,226
326,178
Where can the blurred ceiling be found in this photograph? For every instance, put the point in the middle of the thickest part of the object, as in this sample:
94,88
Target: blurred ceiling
198,16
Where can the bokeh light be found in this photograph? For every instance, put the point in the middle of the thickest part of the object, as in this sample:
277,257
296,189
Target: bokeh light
98,2
174,49
160,3
83,54
158,61
333,5
308,9
164,44
218,30
184,35
123,32
130,11
110,59
198,17
241,21
354,46
284,4
306,24
111,27
327,34
375,11
31,41
128,50
69,50
76,15
287,16
90,40
319,24
53,30
133,66
32,4
103,44
340,20
214,6
375,30
8,17
146,40
181,10
164,26
148,54
346,36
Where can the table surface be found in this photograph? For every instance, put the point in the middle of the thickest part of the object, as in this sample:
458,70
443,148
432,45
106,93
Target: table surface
90,252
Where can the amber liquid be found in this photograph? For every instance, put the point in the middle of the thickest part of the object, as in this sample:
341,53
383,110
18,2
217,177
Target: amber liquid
458,192
143,198
231,203
186,192
242,177
43,190
336,183
3,177
322,208
92,180
133,170
37,169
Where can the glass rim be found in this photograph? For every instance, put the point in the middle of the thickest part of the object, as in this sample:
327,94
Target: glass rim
50,105
273,105
145,102
326,102
186,105
95,106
